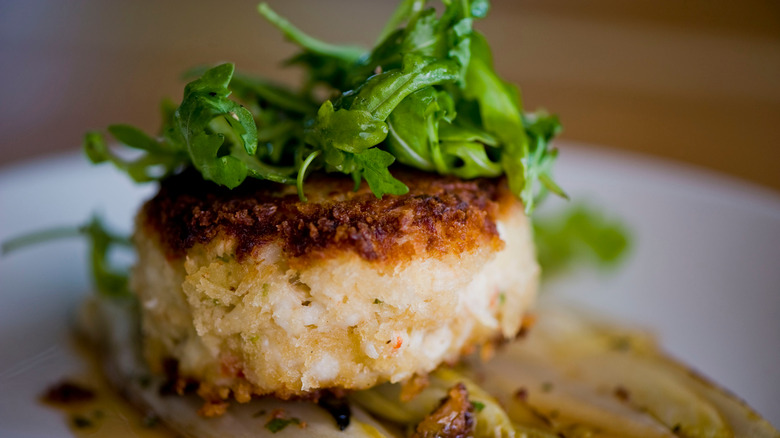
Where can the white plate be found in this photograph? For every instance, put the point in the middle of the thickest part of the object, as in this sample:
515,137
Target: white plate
704,273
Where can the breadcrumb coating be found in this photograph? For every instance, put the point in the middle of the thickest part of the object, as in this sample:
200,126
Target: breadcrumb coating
256,293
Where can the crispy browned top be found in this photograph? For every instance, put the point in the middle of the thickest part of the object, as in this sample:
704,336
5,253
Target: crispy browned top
439,215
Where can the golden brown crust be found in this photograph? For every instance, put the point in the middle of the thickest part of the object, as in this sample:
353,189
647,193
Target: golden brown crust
439,215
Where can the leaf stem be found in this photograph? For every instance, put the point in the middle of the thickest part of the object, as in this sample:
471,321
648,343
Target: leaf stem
346,53
302,174
38,237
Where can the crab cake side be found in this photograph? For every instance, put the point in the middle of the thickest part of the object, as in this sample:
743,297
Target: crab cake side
253,292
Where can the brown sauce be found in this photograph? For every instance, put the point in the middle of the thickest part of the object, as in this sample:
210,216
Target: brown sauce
91,407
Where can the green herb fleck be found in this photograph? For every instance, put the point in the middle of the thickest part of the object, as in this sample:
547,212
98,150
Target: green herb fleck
378,301
81,422
150,421
478,406
277,424
621,343
144,381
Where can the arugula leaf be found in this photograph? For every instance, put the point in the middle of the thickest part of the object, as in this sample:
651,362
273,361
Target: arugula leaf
158,162
372,165
469,159
405,10
580,233
414,129
261,93
427,96
380,94
205,100
109,280
326,63
541,128
347,130
359,122
313,45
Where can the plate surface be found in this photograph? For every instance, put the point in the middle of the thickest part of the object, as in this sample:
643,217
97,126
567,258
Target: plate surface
704,272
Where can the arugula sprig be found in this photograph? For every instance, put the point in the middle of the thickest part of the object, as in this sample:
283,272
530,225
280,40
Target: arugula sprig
426,96
109,279
579,233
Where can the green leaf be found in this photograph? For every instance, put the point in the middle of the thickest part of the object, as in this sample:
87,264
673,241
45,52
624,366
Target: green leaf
498,108
157,163
578,234
469,160
219,134
306,42
262,94
278,424
423,37
414,129
347,130
405,10
464,131
380,94
109,280
372,165
525,155
135,138
480,8
541,128
35,238
426,95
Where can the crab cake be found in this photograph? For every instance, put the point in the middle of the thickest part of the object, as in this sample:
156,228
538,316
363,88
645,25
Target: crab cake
253,292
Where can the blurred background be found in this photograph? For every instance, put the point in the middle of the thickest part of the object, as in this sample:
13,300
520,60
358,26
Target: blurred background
696,81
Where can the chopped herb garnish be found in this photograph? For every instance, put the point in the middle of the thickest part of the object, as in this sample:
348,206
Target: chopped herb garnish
277,424
478,406
145,380
621,343
426,96
378,301
150,420
81,422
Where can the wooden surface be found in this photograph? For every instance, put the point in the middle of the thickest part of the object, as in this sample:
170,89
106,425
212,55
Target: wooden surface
696,81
